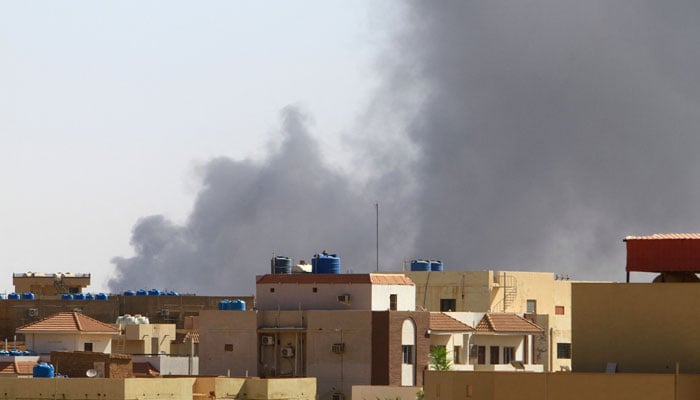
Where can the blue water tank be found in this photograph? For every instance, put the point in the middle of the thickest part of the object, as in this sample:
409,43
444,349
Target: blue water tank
237,305
325,263
154,292
89,296
4,353
129,293
223,304
436,265
43,370
15,352
13,296
173,293
28,296
78,296
101,296
420,265
282,265
2,297
141,292
29,353
66,296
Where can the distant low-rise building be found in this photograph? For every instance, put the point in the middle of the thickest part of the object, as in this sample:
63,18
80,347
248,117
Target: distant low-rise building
69,331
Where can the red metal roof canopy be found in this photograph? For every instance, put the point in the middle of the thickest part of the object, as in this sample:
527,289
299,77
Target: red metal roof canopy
664,252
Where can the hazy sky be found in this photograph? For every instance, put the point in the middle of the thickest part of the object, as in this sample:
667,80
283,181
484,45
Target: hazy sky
179,145
108,109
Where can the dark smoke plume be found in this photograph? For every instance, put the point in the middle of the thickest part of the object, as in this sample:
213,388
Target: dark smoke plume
292,204
536,135
552,129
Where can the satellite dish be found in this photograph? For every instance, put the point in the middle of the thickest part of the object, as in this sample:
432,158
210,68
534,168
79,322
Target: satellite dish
91,373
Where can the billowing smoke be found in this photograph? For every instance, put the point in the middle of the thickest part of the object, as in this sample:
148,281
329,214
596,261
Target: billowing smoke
292,203
552,129
543,132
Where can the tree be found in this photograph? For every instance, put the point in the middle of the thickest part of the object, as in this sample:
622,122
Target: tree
438,358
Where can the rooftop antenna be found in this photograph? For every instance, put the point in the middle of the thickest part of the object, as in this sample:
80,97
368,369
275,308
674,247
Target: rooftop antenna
376,205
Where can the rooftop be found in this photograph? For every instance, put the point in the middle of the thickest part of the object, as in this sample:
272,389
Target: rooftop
68,322
440,322
665,236
506,323
339,279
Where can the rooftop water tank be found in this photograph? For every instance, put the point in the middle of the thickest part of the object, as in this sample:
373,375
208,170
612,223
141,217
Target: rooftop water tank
13,296
101,296
78,296
436,265
28,296
237,305
173,293
129,293
89,296
325,263
223,304
154,292
141,292
15,352
420,265
4,353
66,296
281,265
43,370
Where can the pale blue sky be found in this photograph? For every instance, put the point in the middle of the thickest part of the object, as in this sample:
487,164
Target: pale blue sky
106,109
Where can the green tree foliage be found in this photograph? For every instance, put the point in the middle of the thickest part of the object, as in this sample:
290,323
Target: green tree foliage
438,358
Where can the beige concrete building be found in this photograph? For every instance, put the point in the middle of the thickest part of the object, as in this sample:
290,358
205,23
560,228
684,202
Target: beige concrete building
68,331
145,339
542,297
50,284
340,348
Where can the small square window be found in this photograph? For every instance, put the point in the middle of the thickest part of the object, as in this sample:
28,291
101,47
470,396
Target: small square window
448,305
559,310
564,350
87,346
272,290
532,306
315,290
228,347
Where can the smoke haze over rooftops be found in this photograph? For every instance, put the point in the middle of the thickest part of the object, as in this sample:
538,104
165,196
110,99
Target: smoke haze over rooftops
542,133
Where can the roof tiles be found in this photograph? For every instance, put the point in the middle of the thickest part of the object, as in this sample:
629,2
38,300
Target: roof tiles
440,322
506,323
665,236
68,322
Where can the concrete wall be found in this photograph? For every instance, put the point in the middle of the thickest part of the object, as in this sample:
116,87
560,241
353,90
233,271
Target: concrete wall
169,365
139,338
643,327
571,386
238,329
180,388
76,364
405,297
45,343
364,392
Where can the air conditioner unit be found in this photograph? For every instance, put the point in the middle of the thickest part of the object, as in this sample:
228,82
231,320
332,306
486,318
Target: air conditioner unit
268,340
337,396
288,352
33,312
344,298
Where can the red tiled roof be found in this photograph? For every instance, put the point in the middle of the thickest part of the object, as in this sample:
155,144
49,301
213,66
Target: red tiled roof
144,369
441,322
377,279
506,323
665,236
68,322
185,337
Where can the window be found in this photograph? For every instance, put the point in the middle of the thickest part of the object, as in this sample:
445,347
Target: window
457,354
87,346
315,290
407,354
563,350
493,359
531,306
448,305
559,310
481,355
228,347
508,354
392,302
272,290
